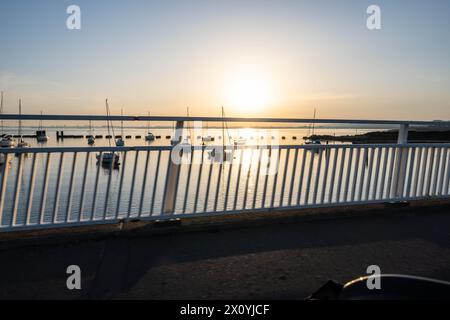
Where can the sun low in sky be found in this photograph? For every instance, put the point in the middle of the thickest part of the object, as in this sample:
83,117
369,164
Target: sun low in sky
249,91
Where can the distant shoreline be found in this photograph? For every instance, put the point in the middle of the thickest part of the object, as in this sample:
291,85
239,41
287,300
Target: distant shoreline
387,136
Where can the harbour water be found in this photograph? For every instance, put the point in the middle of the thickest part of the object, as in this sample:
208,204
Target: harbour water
242,183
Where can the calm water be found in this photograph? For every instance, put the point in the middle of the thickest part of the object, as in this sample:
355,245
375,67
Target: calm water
146,196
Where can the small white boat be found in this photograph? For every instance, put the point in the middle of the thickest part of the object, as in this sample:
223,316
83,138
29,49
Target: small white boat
107,158
207,139
22,144
312,142
120,142
91,140
240,142
7,141
221,156
41,134
149,137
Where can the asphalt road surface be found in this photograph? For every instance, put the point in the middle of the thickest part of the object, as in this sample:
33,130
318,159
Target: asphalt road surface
273,261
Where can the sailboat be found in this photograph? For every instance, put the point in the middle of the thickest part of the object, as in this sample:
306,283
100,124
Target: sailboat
224,155
149,136
41,134
119,141
22,143
108,158
91,138
6,141
309,140
187,140
207,138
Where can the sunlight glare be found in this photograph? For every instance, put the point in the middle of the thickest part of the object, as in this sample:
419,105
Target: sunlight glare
249,92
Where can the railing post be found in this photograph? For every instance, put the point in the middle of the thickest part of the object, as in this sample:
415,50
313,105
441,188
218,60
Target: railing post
173,172
401,161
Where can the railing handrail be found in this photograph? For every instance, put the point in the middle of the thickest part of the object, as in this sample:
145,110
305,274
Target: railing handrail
218,119
200,147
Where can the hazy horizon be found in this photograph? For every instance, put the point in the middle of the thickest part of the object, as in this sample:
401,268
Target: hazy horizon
255,58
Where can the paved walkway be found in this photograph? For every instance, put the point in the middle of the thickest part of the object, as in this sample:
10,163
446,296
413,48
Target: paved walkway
280,260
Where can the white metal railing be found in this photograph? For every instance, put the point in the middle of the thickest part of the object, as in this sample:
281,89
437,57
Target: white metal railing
54,187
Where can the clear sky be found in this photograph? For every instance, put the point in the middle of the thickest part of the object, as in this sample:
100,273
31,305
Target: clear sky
254,57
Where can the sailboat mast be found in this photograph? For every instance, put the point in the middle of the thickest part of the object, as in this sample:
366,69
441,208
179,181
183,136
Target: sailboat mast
313,124
107,122
40,122
223,130
20,120
1,110
121,123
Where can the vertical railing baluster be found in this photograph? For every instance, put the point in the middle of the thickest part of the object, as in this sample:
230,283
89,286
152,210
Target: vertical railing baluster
385,172
44,190
144,182
442,170
356,173
227,190
317,178
302,174
341,175
83,186
133,179
94,197
188,180
423,172
376,177
108,186
258,170
365,160
417,171
244,204
333,175
347,176
283,181
70,196
208,185
411,171
3,186
119,192
275,179
430,171
238,180
294,169
199,180
152,208
369,173
219,179
309,177
266,178
393,155
325,175
445,185
58,187
436,171
17,185
31,190
445,172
